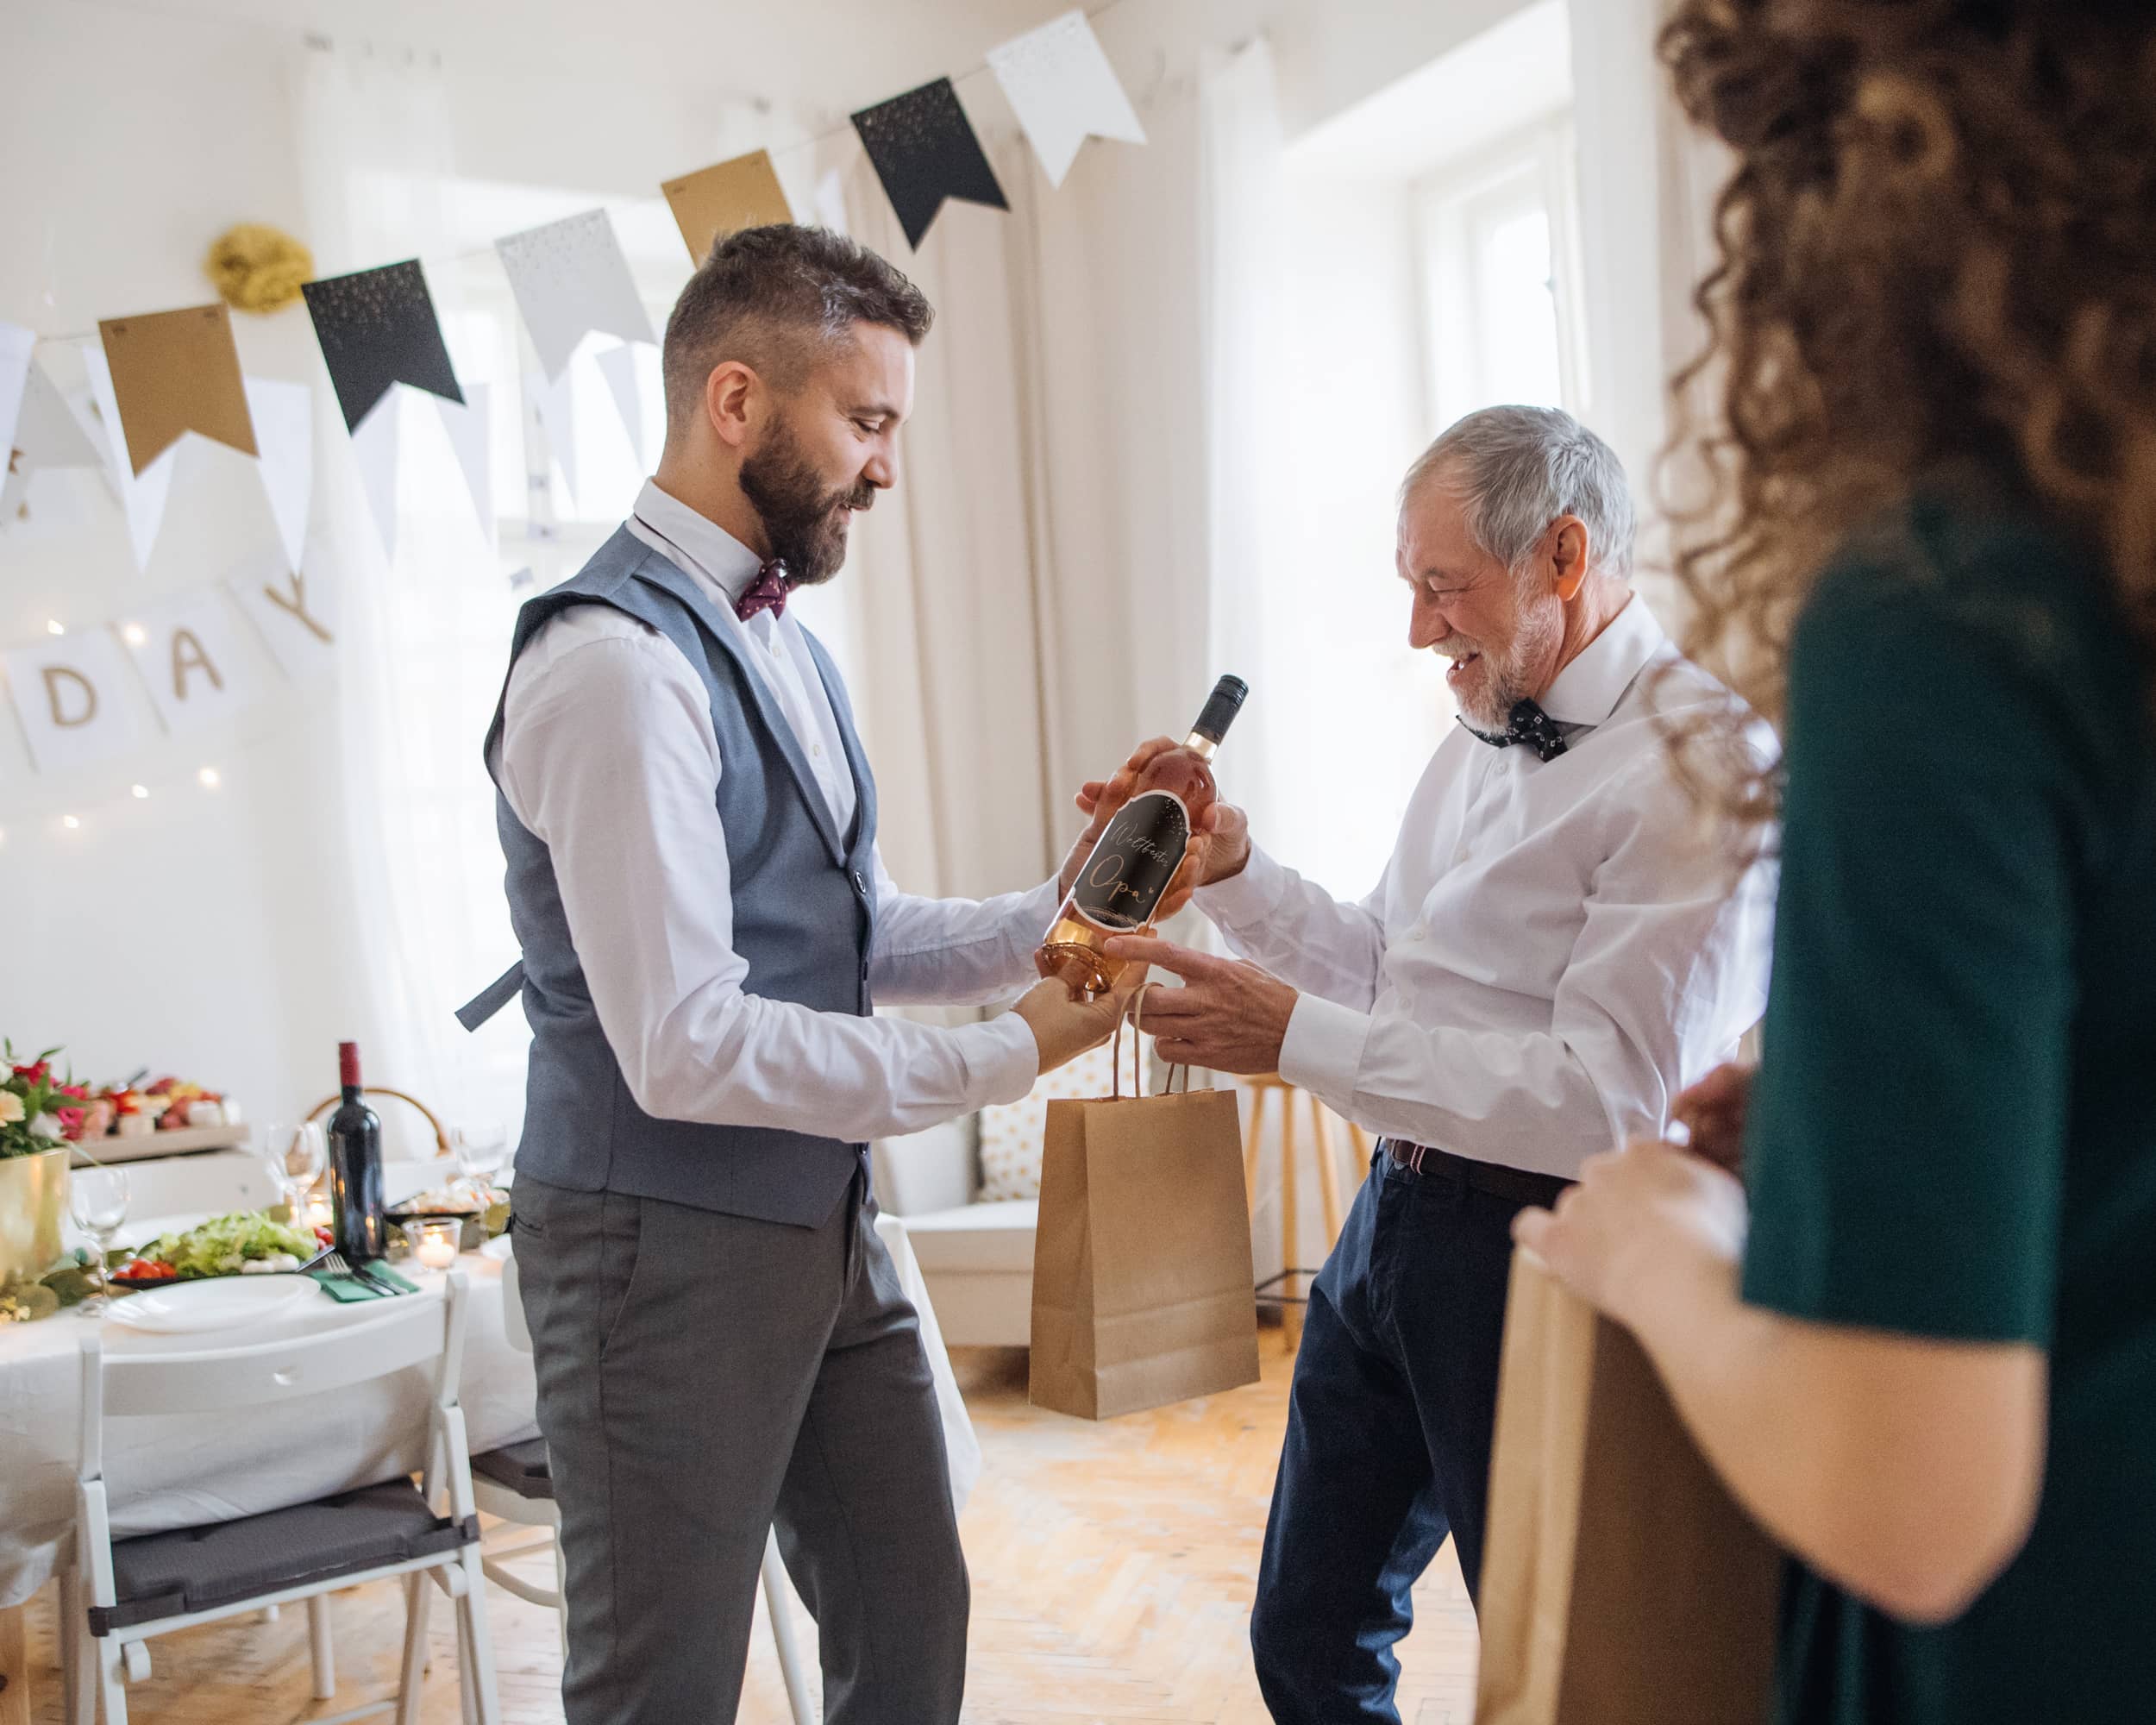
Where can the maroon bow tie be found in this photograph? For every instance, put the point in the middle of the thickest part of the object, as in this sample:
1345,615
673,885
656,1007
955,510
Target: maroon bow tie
768,594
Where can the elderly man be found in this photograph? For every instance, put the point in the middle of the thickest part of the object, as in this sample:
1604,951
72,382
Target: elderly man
1551,956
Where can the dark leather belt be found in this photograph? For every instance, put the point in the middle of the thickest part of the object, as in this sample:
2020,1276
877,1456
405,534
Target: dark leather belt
1513,1185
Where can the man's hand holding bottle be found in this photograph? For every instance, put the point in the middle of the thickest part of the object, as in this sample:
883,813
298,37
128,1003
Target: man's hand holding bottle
1219,837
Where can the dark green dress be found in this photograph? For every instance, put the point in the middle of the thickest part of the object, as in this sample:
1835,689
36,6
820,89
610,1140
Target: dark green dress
1953,1130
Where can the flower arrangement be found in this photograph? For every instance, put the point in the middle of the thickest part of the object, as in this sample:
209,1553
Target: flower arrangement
39,1111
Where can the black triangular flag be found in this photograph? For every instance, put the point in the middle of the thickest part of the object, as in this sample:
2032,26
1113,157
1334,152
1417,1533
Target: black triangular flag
378,328
924,151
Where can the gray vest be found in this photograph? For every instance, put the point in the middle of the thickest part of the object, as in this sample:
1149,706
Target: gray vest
804,917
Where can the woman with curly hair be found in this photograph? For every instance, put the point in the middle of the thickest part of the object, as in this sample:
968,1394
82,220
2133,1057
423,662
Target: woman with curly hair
1919,1341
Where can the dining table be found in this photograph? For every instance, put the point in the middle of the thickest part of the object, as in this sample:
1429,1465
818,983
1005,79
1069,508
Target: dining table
194,1470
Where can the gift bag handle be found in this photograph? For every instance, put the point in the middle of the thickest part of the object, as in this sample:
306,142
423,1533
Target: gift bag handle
1137,1015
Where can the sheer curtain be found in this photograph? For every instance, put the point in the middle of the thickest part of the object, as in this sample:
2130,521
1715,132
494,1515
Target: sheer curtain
421,630
1031,598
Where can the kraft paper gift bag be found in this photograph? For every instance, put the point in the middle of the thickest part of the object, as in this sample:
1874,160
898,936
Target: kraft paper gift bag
1621,1584
1141,1279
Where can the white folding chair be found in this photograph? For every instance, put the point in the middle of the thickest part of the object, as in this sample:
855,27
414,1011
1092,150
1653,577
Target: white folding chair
128,1590
514,1484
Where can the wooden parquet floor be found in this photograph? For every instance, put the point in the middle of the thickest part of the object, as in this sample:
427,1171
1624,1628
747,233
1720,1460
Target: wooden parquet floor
1113,1568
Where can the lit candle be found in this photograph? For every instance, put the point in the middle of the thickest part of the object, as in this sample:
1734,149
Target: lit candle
319,1214
435,1244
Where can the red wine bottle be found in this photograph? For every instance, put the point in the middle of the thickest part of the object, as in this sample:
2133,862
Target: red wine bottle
355,1167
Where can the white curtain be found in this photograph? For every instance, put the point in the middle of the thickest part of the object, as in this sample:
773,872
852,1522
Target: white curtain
1031,598
421,630
1243,202
1646,186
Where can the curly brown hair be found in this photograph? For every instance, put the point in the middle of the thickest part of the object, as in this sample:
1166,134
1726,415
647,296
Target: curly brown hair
1938,246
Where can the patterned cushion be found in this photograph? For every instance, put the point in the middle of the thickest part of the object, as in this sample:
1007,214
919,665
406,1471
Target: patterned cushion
1011,1132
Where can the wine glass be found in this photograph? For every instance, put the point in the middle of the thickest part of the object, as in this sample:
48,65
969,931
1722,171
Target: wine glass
97,1200
481,1147
295,1154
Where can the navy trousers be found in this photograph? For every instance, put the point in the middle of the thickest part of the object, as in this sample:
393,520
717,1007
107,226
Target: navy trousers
1389,1423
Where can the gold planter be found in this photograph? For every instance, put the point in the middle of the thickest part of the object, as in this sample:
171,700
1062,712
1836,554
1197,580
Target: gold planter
33,1205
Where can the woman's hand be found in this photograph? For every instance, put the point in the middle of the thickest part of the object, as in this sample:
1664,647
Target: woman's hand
1644,1224
1064,1028
1712,1110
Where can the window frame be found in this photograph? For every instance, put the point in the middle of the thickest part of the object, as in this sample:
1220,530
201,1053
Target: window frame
1448,205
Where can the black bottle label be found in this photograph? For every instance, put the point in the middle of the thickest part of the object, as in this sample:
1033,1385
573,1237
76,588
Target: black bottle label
1133,864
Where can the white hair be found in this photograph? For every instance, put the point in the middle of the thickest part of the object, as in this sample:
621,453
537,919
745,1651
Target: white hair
1517,469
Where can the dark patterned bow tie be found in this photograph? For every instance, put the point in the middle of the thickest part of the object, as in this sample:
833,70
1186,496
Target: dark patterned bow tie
1526,723
768,593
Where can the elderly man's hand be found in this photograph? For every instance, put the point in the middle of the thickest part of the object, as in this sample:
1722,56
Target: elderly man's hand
1229,1016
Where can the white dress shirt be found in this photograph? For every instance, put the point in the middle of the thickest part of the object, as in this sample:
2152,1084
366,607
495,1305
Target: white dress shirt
609,756
1553,951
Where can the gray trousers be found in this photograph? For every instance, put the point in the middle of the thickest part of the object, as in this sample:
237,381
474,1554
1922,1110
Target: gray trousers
702,1378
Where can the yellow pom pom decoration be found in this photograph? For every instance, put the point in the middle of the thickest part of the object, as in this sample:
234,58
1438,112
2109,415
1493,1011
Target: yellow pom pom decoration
257,267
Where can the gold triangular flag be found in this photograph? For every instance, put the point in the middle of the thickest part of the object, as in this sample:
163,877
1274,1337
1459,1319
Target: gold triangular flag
176,372
741,193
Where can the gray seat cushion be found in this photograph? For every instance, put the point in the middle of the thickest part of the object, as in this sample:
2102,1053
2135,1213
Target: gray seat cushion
521,1467
199,1569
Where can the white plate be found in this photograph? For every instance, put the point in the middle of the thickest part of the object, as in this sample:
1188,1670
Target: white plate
220,1303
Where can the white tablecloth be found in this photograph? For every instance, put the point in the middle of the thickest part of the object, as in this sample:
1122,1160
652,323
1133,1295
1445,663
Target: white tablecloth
189,1471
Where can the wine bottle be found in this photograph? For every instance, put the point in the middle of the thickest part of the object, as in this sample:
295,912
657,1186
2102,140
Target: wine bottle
355,1167
1137,854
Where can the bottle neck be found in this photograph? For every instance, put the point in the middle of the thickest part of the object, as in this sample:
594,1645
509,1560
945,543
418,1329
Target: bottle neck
351,1093
1201,745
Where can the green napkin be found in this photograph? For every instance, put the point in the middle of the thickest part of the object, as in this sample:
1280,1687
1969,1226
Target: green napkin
349,1289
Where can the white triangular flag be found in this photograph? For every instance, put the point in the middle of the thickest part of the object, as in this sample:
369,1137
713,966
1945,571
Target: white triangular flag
142,495
284,416
620,366
570,278
468,428
48,432
555,404
1064,90
376,440
16,343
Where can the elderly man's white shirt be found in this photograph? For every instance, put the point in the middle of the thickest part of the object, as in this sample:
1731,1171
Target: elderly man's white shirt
1556,948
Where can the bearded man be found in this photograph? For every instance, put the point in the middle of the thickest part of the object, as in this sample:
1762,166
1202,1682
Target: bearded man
1550,957
690,826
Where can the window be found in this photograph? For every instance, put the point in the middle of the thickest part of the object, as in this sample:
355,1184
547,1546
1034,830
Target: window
1500,257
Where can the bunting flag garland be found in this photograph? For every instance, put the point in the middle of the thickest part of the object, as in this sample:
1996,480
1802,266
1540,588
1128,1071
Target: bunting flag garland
724,198
284,416
173,373
152,379
377,328
1063,90
570,278
925,152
